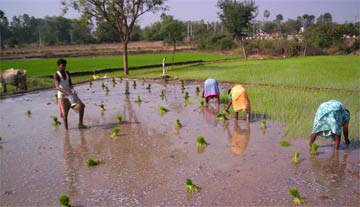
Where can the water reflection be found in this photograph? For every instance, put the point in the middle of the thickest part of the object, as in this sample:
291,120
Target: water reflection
329,173
210,113
75,159
240,138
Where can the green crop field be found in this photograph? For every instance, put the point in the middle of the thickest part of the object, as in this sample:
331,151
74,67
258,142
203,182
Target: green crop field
43,67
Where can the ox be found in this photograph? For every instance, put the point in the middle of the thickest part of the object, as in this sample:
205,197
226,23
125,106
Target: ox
14,77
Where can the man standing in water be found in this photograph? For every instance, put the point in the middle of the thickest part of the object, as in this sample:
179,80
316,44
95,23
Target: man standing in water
67,97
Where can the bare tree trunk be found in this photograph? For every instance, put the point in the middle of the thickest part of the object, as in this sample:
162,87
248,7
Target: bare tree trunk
305,47
125,58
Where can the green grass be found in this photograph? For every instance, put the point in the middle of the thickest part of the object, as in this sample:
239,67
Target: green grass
321,71
43,67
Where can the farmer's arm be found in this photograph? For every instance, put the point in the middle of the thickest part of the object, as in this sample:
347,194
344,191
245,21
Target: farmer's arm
72,90
228,105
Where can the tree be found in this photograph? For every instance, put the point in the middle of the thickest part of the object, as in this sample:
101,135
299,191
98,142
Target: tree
80,31
324,18
266,14
236,17
278,20
172,30
4,28
121,15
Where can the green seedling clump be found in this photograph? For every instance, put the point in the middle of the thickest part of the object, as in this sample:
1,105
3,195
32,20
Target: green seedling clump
55,121
163,109
64,200
127,91
197,90
314,148
263,124
102,107
138,100
221,116
296,195
285,143
103,86
113,80
134,84
190,187
115,132
178,124
295,158
91,162
186,97
148,87
162,94
202,103
28,112
119,118
201,142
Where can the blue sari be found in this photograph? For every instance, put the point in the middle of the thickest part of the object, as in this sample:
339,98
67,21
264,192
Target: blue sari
330,117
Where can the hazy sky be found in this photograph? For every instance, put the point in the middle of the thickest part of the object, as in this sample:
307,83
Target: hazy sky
341,10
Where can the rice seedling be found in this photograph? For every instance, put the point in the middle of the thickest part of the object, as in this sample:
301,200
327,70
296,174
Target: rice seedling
115,132
285,143
162,93
56,98
91,162
107,90
190,187
201,142
113,80
102,107
182,85
295,158
263,124
28,112
64,200
121,79
0,138
142,81
197,90
163,110
134,84
55,120
178,124
314,148
127,91
138,99
90,83
186,97
119,118
222,116
298,200
148,87
202,103
103,85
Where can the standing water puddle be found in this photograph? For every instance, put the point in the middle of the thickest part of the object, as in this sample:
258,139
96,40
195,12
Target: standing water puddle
148,162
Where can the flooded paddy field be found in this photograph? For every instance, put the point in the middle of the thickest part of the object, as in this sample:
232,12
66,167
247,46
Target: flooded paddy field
148,162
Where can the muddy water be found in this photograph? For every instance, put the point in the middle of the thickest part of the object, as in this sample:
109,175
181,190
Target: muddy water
147,164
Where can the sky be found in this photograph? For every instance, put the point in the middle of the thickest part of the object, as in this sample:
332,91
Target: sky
196,10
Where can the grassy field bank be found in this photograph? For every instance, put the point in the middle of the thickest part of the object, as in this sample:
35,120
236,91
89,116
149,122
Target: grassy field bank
43,67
